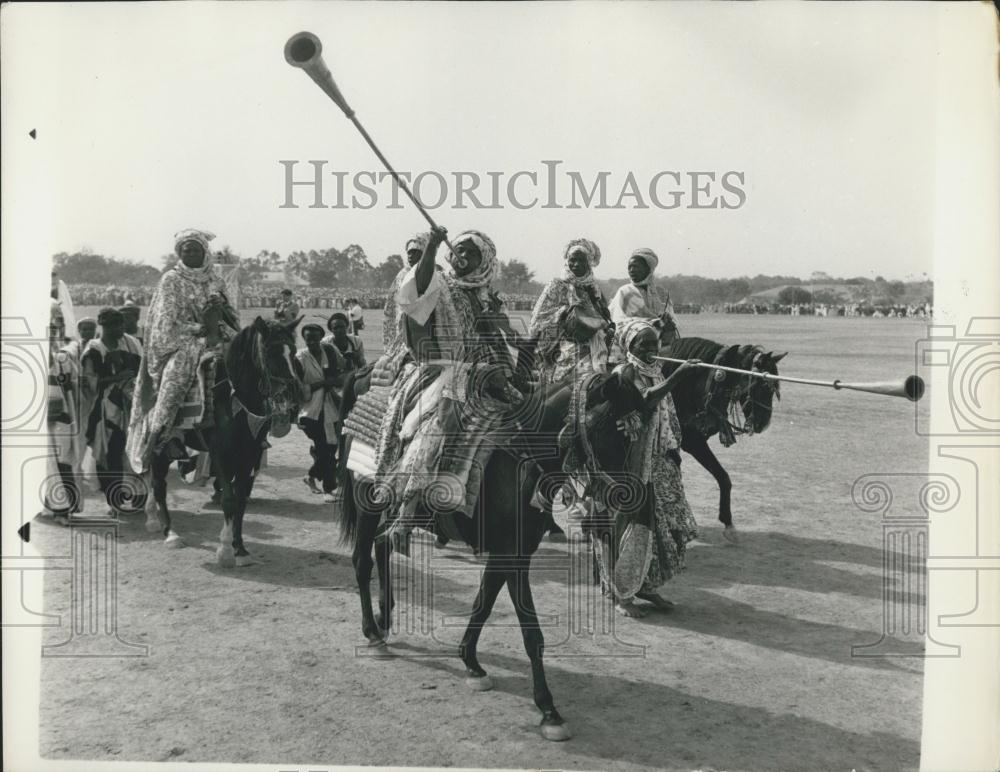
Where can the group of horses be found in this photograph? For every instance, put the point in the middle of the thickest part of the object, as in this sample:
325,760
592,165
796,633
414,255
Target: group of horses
258,377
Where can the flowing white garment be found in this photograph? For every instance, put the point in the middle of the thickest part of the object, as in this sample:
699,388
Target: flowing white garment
69,315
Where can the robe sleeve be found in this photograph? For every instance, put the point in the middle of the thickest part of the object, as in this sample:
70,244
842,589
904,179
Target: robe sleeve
391,323
169,323
617,306
545,315
416,306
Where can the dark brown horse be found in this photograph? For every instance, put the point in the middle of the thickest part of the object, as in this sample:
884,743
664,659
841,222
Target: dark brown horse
713,402
254,382
504,525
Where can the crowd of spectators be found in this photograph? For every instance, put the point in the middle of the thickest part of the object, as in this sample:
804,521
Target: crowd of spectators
267,296
257,296
887,311
109,295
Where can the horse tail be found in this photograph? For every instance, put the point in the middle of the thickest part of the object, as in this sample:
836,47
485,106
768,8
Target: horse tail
348,510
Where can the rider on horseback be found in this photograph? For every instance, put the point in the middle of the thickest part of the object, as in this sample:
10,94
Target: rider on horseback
432,444
641,298
187,318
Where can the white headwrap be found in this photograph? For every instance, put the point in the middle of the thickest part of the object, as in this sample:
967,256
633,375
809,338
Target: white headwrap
649,257
417,242
204,271
488,269
593,253
627,333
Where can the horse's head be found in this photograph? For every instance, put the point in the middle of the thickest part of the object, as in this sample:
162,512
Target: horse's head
261,362
276,352
756,395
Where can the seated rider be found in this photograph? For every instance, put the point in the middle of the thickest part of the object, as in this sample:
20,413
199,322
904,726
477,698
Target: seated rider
188,317
456,389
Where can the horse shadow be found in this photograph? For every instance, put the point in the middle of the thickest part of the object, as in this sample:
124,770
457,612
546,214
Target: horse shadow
717,567
776,559
820,566
313,510
284,566
615,718
195,528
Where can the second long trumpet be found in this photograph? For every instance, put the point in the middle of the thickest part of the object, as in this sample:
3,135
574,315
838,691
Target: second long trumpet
912,387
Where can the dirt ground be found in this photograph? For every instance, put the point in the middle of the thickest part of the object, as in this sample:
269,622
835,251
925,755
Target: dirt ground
752,670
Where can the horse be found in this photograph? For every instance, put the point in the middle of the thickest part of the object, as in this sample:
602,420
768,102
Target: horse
255,380
710,402
506,527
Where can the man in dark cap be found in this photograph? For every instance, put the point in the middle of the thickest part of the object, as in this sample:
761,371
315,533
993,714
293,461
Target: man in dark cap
287,309
349,348
320,415
87,327
130,312
110,364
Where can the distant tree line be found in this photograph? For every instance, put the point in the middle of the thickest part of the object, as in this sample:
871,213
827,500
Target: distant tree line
700,290
351,268
326,268
85,267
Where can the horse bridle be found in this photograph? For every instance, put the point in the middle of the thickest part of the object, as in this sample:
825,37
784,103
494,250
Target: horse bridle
745,391
266,378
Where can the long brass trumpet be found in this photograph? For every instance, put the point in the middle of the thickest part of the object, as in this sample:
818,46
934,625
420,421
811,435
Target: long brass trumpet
912,387
305,51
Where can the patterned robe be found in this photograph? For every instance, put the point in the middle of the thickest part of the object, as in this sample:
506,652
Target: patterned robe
112,404
649,544
168,377
434,414
445,430
560,354
390,324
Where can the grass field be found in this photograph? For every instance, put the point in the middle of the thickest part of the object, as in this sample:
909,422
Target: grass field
753,670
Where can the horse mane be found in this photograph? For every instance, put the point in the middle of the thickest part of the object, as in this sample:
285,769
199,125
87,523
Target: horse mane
695,348
245,359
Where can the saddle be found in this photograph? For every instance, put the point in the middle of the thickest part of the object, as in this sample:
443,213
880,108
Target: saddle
197,412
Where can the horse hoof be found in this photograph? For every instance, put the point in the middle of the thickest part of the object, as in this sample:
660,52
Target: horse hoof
480,684
173,541
227,558
245,560
153,525
379,649
731,535
556,732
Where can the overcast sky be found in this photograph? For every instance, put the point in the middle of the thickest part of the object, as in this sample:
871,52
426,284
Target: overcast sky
153,118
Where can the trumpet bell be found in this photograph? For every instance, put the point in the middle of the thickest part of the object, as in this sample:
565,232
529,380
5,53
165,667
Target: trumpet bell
914,387
303,49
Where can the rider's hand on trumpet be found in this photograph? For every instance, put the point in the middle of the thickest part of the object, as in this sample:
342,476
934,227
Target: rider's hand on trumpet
658,392
437,237
425,268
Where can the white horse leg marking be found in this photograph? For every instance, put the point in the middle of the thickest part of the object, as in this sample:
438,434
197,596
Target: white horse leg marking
153,524
226,554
